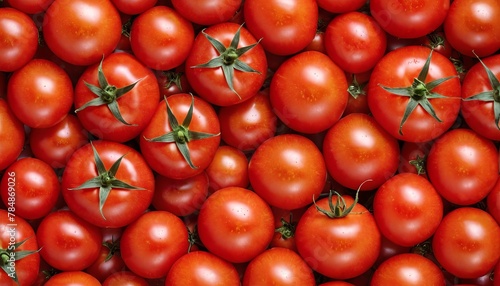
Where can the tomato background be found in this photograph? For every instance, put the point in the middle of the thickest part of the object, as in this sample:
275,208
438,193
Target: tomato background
328,143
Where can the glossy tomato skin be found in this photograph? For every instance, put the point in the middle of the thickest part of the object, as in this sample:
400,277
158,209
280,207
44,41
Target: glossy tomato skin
210,83
207,12
407,209
413,157
165,158
399,68
341,6
125,278
309,92
409,19
19,39
463,178
133,7
357,142
193,269
39,93
467,242
74,278
245,224
339,248
287,171
285,28
151,244
493,202
82,38
161,38
122,206
136,106
229,168
473,26
30,6
12,134
480,115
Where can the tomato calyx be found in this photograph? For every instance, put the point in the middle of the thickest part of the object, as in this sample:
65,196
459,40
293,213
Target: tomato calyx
107,94
181,135
287,228
356,89
419,164
193,238
105,180
419,93
173,78
113,247
436,40
9,256
492,95
339,209
228,58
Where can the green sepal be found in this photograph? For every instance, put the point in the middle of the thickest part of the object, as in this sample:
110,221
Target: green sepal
18,255
339,209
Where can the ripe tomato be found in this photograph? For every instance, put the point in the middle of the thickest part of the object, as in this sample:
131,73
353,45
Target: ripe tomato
73,278
463,166
107,183
19,39
341,6
235,224
151,244
467,242
110,260
116,99
30,6
229,168
473,26
357,142
133,7
39,93
12,134
309,92
207,12
125,278
202,268
68,243
82,31
285,27
287,171
421,87
172,82
413,157
493,202
285,222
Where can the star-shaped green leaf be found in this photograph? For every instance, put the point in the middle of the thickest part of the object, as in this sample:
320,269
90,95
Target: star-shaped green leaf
7,254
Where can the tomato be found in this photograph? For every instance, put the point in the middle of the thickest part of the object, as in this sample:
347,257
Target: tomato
12,134
278,266
342,245
125,278
463,166
151,244
409,19
493,202
134,7
423,90
172,82
413,157
202,268
82,31
467,242
341,6
35,186
73,278
30,6
116,99
407,209
194,144
285,222
408,269
38,93
389,249
235,224
285,27
19,39
473,26
227,64
229,168
287,171
247,124
358,142
109,260
207,12
107,183
355,42
68,243
18,250
437,41
357,102
161,38
309,92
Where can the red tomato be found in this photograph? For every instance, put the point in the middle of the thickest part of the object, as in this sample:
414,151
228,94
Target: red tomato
161,38
341,6
467,242
172,82
358,142
12,134
235,224
19,39
411,18
134,7
73,278
287,171
285,222
463,166
39,93
202,268
207,12
309,92
151,244
357,102
82,31
473,26
109,260
68,243
229,168
125,278
30,6
413,157
493,202
389,249
285,27
107,183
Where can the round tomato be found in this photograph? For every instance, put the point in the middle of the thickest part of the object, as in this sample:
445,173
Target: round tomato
133,7
81,32
413,157
109,260
235,224
229,168
493,202
172,82
285,222
125,278
207,12
287,171
73,278
341,6
12,134
309,92
30,6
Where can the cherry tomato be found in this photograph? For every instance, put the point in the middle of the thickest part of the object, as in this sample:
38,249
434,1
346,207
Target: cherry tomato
229,168
12,134
207,12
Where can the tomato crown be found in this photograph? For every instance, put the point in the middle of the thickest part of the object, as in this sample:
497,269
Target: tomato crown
10,255
339,209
